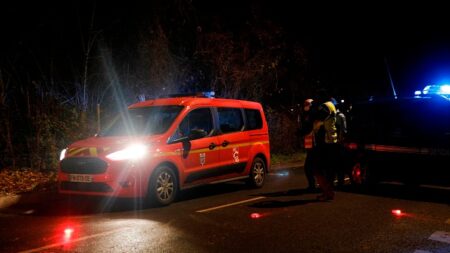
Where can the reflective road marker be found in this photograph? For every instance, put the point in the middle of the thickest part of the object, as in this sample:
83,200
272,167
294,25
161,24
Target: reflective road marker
54,245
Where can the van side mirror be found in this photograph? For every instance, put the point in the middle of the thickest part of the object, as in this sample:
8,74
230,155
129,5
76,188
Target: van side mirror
197,134
193,135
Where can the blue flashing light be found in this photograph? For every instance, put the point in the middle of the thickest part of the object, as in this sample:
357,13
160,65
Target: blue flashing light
209,94
417,93
444,89
426,89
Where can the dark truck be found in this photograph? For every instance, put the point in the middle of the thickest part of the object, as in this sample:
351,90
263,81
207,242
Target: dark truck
405,140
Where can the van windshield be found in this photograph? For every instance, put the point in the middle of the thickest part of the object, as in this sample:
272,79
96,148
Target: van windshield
143,121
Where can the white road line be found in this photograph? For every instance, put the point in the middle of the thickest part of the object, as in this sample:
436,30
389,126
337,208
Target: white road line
435,187
72,241
440,236
392,182
421,251
227,205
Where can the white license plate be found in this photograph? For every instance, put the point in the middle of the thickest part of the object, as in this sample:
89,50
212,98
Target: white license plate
80,178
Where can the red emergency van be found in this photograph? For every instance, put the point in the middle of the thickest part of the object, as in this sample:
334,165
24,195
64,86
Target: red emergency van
158,147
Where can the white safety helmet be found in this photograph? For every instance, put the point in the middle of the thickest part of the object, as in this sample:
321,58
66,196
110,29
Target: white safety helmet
307,104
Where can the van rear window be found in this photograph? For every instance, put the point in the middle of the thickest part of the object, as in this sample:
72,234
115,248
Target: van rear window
254,120
230,120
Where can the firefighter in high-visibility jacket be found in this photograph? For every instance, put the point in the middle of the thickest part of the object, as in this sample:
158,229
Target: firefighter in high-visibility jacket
326,149
308,136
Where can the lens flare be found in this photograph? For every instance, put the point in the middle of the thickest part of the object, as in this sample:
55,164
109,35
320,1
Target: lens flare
133,152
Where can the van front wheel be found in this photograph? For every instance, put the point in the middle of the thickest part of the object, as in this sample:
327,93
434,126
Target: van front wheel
257,173
163,187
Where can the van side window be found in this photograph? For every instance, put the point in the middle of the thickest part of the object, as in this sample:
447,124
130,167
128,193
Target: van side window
230,119
254,120
196,119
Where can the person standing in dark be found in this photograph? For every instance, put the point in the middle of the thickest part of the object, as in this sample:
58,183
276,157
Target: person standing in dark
326,149
341,127
306,131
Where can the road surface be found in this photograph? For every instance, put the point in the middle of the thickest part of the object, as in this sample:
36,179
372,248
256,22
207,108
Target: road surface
280,217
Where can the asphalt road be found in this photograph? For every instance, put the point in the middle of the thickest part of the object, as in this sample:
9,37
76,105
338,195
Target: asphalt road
280,217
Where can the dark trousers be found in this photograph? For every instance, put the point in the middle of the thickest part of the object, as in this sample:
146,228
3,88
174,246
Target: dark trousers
326,157
309,168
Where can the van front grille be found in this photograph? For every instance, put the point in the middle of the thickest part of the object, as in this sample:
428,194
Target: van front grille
83,165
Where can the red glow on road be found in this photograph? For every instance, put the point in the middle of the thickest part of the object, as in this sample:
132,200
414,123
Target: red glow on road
67,237
65,232
397,212
255,215
68,232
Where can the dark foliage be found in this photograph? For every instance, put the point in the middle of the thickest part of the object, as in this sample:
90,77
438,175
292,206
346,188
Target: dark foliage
50,89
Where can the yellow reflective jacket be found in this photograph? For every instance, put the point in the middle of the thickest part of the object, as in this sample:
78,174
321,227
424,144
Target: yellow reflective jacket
328,123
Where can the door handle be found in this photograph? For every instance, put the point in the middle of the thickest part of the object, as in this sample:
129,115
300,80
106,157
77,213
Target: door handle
225,143
212,146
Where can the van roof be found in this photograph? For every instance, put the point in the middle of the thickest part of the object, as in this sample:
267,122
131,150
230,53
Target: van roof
190,101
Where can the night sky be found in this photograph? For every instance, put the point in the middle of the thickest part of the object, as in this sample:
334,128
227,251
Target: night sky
350,46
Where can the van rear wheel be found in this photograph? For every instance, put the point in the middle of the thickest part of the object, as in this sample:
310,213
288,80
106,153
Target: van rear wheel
361,174
163,187
257,173
358,173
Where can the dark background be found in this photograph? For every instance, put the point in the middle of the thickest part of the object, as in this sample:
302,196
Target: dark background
349,46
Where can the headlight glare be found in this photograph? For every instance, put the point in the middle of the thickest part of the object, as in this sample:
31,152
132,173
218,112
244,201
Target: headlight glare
62,154
133,152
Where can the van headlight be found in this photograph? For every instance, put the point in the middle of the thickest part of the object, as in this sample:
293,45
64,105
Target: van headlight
62,154
133,152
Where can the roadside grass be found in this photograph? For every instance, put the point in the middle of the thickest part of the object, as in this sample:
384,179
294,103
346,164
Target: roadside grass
16,181
298,156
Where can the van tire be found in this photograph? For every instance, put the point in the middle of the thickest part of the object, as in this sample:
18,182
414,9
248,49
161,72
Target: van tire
163,186
257,173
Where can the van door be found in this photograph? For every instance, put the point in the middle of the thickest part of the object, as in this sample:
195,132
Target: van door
200,157
234,142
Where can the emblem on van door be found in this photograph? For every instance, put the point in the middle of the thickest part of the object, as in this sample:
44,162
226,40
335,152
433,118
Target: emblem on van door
202,158
236,155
